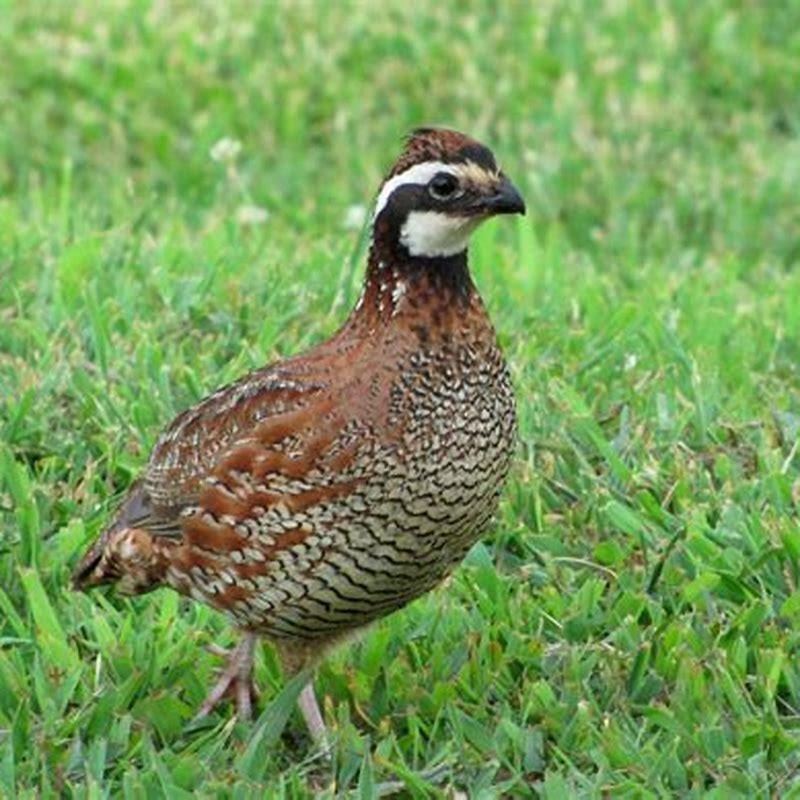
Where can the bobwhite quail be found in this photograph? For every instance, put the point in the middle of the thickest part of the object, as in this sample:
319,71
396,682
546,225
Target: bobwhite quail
322,492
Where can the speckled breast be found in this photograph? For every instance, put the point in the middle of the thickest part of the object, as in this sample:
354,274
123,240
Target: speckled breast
417,494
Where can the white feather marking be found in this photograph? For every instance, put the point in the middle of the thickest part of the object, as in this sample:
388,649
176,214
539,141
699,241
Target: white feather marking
399,291
419,174
433,234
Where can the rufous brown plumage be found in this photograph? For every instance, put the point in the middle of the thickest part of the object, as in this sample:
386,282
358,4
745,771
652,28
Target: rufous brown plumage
321,492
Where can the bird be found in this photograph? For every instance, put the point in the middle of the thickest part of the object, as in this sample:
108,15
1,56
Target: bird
326,490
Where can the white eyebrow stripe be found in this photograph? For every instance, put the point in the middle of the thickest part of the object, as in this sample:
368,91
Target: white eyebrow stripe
419,174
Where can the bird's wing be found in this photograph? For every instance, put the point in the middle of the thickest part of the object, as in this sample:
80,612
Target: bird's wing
198,438
275,495
193,443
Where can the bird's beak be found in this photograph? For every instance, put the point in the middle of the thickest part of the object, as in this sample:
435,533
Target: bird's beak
505,199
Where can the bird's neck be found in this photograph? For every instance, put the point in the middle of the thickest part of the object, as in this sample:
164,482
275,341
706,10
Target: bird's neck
398,283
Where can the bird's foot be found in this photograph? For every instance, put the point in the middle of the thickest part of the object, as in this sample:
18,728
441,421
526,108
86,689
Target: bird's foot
235,680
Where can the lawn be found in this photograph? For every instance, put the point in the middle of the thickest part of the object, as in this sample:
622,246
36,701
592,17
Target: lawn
631,625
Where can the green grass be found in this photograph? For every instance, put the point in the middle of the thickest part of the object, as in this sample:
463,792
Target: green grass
631,626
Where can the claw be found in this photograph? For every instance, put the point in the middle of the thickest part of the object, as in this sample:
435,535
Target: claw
236,680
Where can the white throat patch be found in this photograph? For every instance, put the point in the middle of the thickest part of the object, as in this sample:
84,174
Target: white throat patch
432,234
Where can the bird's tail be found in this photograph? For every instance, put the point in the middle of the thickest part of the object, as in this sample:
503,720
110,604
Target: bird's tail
131,558
127,553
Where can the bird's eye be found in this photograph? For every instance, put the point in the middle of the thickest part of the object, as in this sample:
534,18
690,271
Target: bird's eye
443,186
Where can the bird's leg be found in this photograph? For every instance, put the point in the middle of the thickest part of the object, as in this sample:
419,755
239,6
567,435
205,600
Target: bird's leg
295,658
309,708
236,679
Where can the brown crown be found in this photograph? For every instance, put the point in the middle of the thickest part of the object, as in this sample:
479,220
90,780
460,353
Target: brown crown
438,144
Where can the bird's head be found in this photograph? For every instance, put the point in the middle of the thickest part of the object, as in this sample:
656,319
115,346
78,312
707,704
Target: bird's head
438,192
